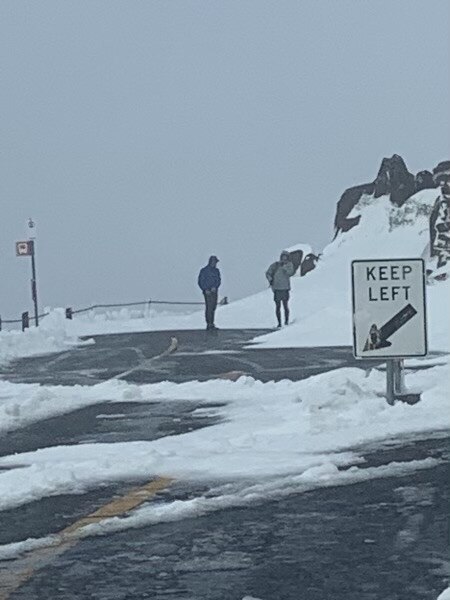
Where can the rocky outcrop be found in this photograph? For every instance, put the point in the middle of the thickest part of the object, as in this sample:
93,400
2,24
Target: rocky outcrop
440,217
296,257
443,168
440,230
308,264
424,181
347,202
393,180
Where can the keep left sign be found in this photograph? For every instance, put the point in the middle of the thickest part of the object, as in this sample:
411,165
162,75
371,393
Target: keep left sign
389,312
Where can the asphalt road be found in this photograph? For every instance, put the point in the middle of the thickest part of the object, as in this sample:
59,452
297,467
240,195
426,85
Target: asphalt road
200,355
384,539
381,539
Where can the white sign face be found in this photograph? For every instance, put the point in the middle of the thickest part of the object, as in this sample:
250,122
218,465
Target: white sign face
389,318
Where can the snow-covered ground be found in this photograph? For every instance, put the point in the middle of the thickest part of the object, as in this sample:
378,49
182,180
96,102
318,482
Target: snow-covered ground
303,435
51,336
321,301
273,438
307,428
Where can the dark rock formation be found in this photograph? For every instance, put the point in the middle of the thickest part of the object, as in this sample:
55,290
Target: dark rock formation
442,168
308,264
393,179
424,181
296,258
348,201
440,230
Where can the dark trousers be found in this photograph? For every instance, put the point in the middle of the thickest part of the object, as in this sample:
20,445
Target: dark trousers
281,297
210,306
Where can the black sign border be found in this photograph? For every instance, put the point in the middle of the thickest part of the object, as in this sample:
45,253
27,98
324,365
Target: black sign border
425,323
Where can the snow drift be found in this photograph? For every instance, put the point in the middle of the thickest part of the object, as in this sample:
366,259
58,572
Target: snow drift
321,300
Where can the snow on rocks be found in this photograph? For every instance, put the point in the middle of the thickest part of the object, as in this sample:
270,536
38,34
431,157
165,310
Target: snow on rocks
321,301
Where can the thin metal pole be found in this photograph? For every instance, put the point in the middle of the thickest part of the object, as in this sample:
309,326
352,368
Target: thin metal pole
390,381
401,376
34,285
395,362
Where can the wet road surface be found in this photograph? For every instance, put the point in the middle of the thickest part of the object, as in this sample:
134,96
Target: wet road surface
385,538
200,355
381,539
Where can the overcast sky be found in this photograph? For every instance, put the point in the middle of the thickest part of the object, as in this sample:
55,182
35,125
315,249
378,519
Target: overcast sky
143,136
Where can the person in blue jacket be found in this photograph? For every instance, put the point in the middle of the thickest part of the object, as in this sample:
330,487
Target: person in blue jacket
209,282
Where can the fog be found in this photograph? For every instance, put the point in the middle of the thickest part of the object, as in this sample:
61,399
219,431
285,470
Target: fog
143,136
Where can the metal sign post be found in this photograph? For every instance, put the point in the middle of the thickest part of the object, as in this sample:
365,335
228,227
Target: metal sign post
34,285
390,382
27,248
389,319
395,382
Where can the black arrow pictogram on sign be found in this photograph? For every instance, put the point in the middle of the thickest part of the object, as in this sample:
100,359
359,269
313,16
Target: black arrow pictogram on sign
378,338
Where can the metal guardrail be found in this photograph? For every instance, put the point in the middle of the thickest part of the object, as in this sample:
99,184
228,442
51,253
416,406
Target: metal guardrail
70,311
126,304
12,321
25,319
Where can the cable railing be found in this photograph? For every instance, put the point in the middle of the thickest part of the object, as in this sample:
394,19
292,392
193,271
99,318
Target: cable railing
24,320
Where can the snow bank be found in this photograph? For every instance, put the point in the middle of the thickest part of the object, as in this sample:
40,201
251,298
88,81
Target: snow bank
50,336
23,404
126,320
305,248
248,495
310,428
226,496
321,301
15,549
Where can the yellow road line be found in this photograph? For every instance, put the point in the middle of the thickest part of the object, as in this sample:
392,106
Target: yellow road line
13,578
120,506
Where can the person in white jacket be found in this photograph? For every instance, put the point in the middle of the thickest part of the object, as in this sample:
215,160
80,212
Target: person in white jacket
279,277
